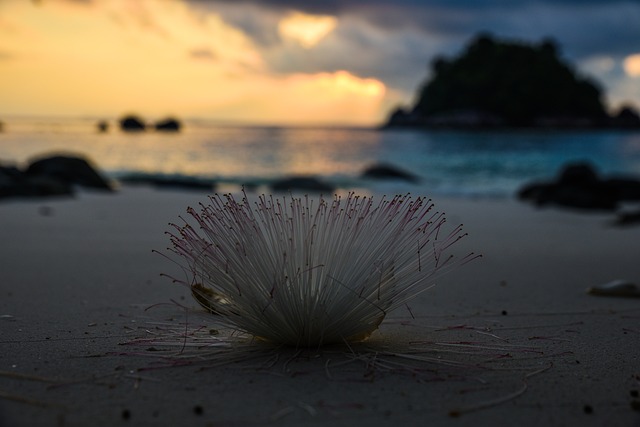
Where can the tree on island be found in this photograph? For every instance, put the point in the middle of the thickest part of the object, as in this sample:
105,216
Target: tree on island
504,83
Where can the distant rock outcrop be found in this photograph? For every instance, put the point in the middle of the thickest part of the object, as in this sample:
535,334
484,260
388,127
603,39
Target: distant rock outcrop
102,126
304,183
626,117
170,182
51,176
168,125
132,123
508,84
72,170
384,171
579,186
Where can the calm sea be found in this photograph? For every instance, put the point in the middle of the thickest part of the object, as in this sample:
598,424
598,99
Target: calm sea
451,163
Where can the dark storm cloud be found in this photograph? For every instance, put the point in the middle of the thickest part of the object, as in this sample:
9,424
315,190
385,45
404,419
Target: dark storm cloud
583,26
395,40
260,23
339,6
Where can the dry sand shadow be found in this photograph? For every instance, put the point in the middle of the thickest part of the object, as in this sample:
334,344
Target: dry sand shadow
441,368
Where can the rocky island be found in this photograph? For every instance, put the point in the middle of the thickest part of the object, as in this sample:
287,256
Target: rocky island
507,84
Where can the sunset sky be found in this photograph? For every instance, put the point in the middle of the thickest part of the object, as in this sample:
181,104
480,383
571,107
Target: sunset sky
334,62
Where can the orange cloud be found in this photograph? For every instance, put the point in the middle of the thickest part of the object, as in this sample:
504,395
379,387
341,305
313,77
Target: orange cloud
631,65
336,98
112,56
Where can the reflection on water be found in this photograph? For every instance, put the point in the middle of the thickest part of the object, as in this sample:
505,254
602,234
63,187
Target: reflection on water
483,163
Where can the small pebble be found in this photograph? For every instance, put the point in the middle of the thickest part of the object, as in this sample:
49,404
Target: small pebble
45,210
617,288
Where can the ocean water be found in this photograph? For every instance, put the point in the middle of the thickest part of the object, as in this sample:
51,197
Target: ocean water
452,163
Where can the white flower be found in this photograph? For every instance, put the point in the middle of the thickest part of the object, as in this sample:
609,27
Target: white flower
310,271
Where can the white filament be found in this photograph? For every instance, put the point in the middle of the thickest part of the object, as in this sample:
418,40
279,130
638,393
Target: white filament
310,271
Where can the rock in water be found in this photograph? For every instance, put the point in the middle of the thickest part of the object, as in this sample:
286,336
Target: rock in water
102,126
578,186
168,125
68,170
382,171
16,183
132,124
305,183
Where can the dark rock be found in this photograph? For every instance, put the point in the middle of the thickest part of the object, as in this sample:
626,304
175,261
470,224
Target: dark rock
305,183
580,197
382,171
624,189
15,183
132,124
9,174
51,176
532,191
578,175
170,182
627,218
578,186
12,181
400,117
168,125
46,186
102,126
627,117
67,170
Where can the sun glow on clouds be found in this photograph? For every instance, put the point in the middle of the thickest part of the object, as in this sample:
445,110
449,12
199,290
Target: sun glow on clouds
342,84
157,58
336,98
307,30
342,94
631,65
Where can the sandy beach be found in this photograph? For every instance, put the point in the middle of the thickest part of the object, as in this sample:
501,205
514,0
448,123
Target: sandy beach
509,339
